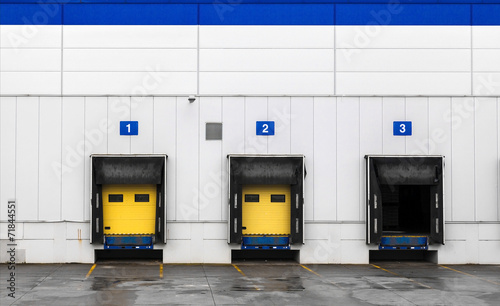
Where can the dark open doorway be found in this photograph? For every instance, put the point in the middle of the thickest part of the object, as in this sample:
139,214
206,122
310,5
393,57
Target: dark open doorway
406,209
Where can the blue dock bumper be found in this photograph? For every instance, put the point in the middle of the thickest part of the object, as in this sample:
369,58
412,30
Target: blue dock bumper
265,243
128,242
404,243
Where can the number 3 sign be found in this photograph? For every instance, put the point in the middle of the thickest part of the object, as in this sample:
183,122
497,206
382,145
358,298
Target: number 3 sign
265,128
402,128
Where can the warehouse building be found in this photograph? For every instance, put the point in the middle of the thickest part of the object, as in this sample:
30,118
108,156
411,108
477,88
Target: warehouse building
200,131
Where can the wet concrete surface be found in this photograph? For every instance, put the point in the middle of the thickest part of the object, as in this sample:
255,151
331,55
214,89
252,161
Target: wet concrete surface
152,283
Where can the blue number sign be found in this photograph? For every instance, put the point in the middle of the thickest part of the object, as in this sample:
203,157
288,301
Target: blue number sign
128,128
265,128
401,128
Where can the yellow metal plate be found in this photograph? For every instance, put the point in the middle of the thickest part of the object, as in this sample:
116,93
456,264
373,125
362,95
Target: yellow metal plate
266,217
129,217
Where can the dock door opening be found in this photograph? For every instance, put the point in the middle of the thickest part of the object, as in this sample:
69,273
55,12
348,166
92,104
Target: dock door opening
128,201
266,201
404,201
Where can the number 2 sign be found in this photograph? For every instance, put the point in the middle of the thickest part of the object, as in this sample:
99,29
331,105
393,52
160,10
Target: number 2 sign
128,128
265,128
402,128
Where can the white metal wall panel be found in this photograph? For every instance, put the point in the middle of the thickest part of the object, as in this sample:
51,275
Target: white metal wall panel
463,162
96,139
348,159
417,111
392,60
27,171
187,159
498,166
486,60
30,83
488,251
210,171
233,140
440,143
39,231
233,129
413,60
261,60
73,146
393,110
130,60
371,137
255,110
325,160
43,60
302,142
403,83
371,125
482,37
268,83
118,110
486,159
419,37
486,83
278,110
165,139
50,163
129,83
123,36
8,131
30,36
142,111
266,37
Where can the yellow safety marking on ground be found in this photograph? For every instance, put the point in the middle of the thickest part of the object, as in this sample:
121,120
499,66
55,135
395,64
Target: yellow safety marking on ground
129,216
472,275
239,270
161,270
321,276
90,271
310,270
265,217
399,275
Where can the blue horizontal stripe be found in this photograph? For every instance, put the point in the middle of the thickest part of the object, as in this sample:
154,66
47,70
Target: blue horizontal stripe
40,14
131,14
269,14
403,14
221,12
249,1
486,15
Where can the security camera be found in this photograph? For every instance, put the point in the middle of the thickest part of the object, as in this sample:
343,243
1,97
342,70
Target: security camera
191,99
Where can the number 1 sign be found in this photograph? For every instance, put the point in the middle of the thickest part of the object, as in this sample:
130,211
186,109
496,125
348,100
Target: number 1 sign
128,128
401,128
265,128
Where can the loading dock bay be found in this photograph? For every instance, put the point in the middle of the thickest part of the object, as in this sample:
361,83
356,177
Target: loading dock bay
149,283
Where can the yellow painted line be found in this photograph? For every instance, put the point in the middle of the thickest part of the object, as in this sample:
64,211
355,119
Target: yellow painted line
321,276
90,271
471,275
161,270
310,270
399,275
239,270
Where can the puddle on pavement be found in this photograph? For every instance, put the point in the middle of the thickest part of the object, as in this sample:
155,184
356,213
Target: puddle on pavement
270,284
